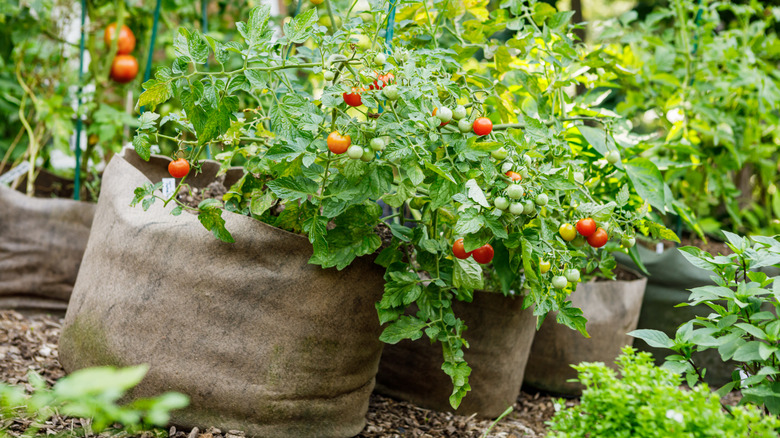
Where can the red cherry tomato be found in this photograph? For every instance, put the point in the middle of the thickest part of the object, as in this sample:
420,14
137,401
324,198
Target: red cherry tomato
382,81
337,143
586,226
458,250
179,168
598,239
483,126
124,68
483,254
353,98
514,176
126,41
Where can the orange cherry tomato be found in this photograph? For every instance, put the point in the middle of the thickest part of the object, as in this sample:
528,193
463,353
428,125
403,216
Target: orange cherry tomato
124,68
179,168
337,143
126,41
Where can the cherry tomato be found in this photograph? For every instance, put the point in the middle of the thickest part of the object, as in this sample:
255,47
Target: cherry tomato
483,126
483,254
436,110
458,250
586,226
390,92
541,199
328,75
515,191
598,239
544,266
559,282
459,112
337,143
516,208
514,176
464,126
126,41
377,144
353,98
179,168
124,68
572,275
368,155
613,156
578,241
382,81
499,154
380,59
528,207
355,152
567,232
628,242
501,203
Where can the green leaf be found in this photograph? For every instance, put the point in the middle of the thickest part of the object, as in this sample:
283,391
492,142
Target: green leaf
142,146
210,215
596,137
147,121
752,330
476,194
467,273
293,188
301,27
470,221
654,338
406,327
256,31
748,352
647,181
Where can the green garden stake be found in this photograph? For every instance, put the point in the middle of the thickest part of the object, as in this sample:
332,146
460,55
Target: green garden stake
204,24
148,68
77,171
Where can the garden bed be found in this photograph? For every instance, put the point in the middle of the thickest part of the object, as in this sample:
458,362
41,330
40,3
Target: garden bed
31,343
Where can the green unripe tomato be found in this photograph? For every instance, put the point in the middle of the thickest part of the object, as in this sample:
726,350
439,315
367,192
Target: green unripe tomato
362,41
506,167
572,275
528,160
529,207
390,92
516,208
559,282
328,75
579,177
355,152
499,154
501,203
401,55
578,241
444,114
368,155
459,112
380,59
515,191
377,144
464,126
613,156
628,242
541,199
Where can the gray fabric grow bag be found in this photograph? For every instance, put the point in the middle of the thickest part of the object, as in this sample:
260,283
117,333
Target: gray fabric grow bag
499,333
612,309
259,339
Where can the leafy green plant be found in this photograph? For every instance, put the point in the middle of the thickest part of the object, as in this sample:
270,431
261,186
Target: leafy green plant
494,152
700,86
744,325
647,401
89,393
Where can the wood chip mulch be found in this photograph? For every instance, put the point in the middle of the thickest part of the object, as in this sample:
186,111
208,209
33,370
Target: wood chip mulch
30,343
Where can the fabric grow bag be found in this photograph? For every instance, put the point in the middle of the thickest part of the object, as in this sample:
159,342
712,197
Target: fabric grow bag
612,309
260,340
671,275
499,334
42,241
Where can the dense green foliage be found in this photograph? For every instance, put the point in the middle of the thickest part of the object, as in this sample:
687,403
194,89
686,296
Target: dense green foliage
647,401
90,393
743,325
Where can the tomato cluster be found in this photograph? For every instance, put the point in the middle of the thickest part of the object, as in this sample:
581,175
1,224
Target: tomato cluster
586,227
124,68
483,254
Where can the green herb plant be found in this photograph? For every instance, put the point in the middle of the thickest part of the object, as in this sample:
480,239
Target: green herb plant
647,401
89,393
744,326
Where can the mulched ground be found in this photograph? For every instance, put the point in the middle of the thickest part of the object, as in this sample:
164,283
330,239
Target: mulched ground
30,343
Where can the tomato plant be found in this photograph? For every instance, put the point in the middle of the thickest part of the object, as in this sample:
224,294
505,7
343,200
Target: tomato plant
458,182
